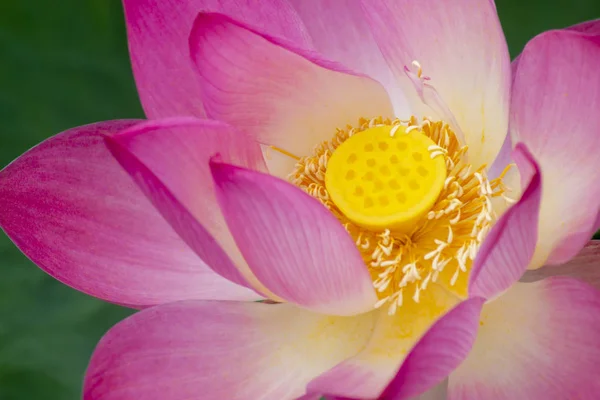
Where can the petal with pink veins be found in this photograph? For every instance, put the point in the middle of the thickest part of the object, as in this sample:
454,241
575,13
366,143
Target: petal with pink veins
275,92
220,350
158,32
70,207
292,243
370,372
584,266
461,47
507,250
440,351
340,32
537,341
555,99
169,160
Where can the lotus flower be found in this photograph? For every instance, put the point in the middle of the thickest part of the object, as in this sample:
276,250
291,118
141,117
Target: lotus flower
378,175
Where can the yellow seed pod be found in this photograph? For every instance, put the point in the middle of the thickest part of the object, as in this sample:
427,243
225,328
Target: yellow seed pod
384,181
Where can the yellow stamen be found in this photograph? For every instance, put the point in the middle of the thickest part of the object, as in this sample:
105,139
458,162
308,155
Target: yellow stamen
285,152
382,180
435,245
505,171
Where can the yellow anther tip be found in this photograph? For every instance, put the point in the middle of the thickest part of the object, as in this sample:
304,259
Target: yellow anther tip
382,181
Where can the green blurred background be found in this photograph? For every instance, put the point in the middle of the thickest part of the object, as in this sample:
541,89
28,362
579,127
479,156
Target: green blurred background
65,63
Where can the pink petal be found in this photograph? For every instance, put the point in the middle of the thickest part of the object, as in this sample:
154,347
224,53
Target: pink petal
220,350
367,374
274,92
292,243
461,47
555,99
340,32
590,28
439,352
537,341
158,44
72,210
507,250
585,266
169,160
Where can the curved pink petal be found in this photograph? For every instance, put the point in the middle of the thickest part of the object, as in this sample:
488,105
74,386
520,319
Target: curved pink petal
169,160
445,345
537,341
292,243
366,375
340,32
461,47
591,28
158,32
273,91
555,99
507,250
69,206
220,350
584,266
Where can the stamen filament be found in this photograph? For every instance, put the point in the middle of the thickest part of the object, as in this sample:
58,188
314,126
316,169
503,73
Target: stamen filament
285,152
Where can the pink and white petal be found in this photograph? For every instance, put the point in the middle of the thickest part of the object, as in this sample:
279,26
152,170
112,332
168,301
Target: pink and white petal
273,91
461,47
340,32
555,99
439,352
169,160
507,250
220,350
370,372
69,206
538,341
292,243
585,266
158,32
590,28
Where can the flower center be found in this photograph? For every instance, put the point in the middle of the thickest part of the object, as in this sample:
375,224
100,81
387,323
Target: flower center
382,180
405,192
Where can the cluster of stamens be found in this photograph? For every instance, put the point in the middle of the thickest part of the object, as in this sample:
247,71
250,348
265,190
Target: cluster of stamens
442,245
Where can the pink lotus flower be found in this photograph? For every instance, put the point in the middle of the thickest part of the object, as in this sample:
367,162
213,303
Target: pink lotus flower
394,247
